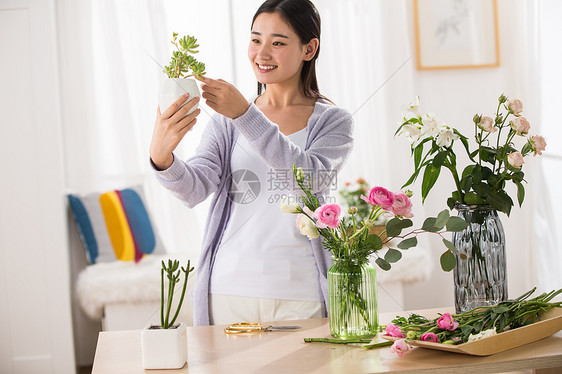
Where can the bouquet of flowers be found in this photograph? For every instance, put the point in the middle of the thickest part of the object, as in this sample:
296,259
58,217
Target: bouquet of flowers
348,238
472,325
493,162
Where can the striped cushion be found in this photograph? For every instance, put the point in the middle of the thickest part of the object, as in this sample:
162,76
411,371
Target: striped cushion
115,225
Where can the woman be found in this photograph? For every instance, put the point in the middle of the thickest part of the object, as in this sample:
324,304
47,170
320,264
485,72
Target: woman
255,265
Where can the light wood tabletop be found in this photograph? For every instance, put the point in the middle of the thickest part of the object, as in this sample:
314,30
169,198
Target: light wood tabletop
210,350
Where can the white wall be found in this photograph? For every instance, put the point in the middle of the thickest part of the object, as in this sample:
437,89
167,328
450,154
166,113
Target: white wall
35,317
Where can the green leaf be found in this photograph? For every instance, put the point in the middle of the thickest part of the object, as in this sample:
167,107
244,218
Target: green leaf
383,264
429,178
520,192
395,225
500,201
450,245
392,255
448,261
439,159
408,243
528,147
418,155
456,224
468,171
466,183
482,189
429,223
488,154
442,219
451,203
471,198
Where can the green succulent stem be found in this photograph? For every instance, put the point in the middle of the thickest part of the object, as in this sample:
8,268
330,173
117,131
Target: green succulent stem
173,274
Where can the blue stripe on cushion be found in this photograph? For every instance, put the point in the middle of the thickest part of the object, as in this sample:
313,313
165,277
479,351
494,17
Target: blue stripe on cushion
84,227
141,228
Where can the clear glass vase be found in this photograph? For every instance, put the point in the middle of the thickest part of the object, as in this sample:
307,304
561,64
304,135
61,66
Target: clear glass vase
352,292
481,278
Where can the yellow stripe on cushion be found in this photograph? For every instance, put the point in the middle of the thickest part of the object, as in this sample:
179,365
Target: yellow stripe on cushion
117,226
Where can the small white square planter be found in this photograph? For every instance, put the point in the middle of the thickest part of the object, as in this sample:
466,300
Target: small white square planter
164,348
172,88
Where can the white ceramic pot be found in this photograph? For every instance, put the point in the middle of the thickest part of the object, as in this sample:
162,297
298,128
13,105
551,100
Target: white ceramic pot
172,88
164,348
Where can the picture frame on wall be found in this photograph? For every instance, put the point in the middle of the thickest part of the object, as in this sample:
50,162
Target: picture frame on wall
456,34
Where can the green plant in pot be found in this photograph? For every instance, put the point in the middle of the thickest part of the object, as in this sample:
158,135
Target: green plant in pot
181,67
164,346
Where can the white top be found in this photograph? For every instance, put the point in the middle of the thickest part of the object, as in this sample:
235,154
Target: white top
262,253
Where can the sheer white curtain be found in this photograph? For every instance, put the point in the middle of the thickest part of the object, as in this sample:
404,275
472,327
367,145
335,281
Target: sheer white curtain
112,53
548,211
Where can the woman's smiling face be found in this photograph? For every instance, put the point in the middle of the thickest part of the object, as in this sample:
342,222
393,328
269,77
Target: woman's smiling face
275,51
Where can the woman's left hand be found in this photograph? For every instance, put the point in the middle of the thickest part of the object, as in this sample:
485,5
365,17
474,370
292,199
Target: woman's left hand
223,97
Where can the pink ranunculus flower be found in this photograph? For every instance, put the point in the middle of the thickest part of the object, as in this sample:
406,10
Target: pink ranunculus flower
380,196
429,337
487,124
402,206
400,347
446,322
520,125
515,159
515,105
393,330
327,215
538,143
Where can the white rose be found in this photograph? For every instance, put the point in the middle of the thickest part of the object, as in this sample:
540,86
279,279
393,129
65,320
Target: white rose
487,124
515,159
516,106
520,125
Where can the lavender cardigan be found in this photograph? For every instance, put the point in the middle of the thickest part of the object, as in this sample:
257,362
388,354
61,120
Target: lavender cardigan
329,142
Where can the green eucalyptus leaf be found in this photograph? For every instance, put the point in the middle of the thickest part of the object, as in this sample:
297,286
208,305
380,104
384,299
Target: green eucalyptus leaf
408,243
395,226
383,264
456,224
449,245
448,261
429,223
392,255
442,219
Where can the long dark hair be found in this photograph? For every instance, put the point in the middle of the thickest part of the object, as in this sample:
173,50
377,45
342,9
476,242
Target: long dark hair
304,19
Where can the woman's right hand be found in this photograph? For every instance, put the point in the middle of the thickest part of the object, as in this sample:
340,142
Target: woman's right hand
170,128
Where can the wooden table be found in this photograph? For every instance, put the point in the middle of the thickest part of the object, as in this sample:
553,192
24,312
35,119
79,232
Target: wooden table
210,350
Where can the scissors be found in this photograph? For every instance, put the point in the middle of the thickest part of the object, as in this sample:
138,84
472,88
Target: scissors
241,327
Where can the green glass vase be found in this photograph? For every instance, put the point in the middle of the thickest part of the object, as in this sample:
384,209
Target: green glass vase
352,304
